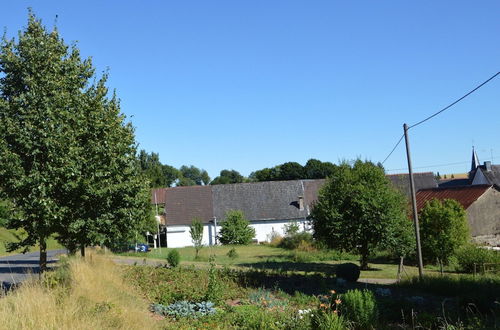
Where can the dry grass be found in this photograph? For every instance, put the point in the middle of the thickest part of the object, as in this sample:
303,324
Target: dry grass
96,297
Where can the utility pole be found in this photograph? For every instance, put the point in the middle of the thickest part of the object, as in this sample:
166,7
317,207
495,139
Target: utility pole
414,205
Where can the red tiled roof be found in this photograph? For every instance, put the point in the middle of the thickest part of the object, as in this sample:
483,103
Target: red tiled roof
465,195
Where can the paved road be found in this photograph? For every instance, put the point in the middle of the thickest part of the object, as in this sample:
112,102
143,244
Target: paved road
16,268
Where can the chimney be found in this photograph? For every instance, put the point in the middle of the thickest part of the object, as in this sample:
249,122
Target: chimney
487,165
301,203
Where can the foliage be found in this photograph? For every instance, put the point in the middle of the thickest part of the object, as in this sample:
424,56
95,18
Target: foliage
348,271
193,176
196,232
159,175
214,288
5,212
291,242
443,229
470,254
228,176
265,299
360,307
235,229
67,157
185,309
314,169
233,254
326,320
173,258
358,209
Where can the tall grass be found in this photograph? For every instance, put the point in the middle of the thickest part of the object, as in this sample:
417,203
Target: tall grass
94,297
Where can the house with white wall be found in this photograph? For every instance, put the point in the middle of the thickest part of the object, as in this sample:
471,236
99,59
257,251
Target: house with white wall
269,206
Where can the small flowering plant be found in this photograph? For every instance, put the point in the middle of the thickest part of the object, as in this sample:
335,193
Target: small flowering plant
330,302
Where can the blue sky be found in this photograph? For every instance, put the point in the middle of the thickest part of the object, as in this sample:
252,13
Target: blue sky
251,84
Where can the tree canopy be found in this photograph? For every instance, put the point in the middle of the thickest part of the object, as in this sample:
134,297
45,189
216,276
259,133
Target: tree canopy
443,229
67,156
314,169
359,210
228,176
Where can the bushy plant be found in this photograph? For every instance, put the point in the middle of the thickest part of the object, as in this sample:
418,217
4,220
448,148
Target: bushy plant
173,258
266,299
184,309
360,307
443,228
232,253
470,254
291,242
348,271
214,288
327,320
236,229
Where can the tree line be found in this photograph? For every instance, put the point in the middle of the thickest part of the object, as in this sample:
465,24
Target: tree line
163,175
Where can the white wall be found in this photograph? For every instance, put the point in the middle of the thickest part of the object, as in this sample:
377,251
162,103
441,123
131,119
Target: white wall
178,236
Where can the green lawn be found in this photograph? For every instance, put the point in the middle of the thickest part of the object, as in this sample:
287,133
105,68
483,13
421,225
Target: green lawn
7,235
267,257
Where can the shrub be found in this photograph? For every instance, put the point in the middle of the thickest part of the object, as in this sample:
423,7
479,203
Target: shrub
232,253
360,307
266,299
173,258
348,271
326,320
470,254
293,241
444,229
236,229
184,309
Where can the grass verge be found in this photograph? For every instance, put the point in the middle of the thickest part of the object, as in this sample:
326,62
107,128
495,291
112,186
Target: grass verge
81,294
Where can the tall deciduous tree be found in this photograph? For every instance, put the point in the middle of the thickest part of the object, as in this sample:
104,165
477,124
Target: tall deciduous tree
193,174
228,176
358,209
67,159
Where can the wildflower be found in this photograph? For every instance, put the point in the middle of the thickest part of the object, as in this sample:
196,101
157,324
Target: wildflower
332,291
338,301
335,311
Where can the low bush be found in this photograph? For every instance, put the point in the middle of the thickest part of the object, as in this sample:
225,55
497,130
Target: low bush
292,241
232,253
348,271
470,254
185,309
173,258
360,307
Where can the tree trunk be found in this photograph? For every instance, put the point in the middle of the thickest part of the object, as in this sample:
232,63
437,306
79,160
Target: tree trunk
364,257
43,255
82,250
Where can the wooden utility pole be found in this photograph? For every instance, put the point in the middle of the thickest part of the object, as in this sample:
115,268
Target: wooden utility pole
414,205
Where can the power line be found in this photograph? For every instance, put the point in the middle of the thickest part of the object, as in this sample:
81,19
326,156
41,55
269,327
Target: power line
440,111
429,166
455,102
390,153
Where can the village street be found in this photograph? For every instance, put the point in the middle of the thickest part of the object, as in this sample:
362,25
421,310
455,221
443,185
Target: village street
18,267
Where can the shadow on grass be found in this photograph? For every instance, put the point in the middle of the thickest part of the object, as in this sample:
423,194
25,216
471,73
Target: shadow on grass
289,266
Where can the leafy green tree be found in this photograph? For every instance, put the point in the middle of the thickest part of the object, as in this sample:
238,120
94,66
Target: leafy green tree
316,169
196,232
291,171
443,229
67,158
159,175
235,229
358,209
228,176
194,174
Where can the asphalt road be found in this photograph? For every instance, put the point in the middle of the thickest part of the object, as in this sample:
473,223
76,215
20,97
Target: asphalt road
16,268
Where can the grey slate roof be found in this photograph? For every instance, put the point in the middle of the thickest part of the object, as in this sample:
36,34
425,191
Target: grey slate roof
492,176
259,201
271,200
423,180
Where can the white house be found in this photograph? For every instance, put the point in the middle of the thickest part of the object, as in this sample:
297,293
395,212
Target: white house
269,206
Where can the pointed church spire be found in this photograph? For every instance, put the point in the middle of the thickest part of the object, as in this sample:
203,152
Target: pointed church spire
475,160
